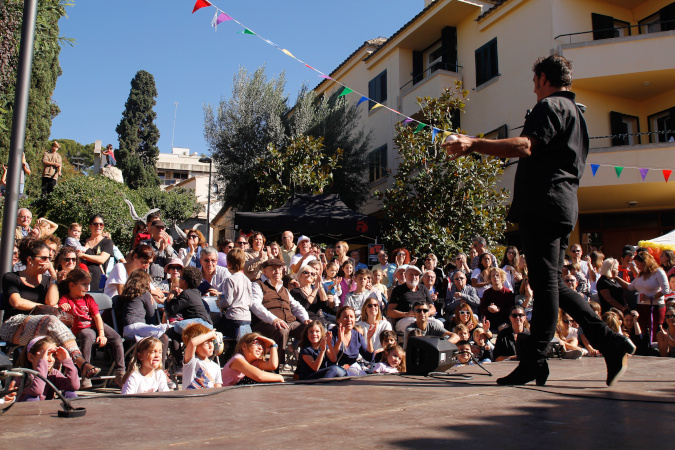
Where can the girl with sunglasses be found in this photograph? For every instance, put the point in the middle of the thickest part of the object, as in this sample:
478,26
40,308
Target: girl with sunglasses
505,347
666,337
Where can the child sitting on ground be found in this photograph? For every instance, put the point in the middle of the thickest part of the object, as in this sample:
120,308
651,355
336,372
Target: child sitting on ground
317,358
387,338
199,372
40,355
248,365
482,347
74,235
145,372
237,297
464,353
394,358
84,310
462,331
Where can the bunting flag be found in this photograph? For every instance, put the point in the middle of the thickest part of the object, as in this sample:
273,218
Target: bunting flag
363,99
325,76
594,168
288,53
200,4
420,126
434,132
345,91
666,174
407,120
377,105
222,18
643,172
618,170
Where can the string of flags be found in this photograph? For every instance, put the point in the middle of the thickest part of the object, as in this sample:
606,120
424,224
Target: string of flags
221,16
619,170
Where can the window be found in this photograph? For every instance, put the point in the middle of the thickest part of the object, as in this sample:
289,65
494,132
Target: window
377,163
498,133
607,27
650,24
377,89
180,176
663,121
662,20
487,66
623,124
434,57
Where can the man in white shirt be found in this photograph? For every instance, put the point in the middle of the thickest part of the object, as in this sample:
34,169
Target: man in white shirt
279,316
288,248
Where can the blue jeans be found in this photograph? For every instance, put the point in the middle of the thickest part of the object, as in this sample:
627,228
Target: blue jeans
235,328
329,372
181,325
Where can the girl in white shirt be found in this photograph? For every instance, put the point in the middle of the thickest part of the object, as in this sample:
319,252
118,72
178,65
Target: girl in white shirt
145,372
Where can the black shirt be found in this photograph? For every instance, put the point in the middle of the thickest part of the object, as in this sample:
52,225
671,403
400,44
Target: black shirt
403,298
546,182
139,310
189,304
12,284
615,290
106,245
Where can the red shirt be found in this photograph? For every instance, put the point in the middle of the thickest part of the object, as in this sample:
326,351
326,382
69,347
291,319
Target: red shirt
83,310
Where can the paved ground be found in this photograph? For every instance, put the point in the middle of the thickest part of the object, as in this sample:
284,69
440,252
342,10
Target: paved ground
574,410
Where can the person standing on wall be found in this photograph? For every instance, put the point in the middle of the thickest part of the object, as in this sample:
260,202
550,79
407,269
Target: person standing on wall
552,151
52,168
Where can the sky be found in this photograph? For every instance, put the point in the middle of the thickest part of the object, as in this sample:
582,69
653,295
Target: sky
194,65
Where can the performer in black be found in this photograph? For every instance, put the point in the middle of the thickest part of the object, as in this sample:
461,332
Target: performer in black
552,149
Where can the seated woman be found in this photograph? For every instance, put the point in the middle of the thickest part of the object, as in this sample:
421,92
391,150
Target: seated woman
248,365
666,337
29,289
67,260
505,347
138,311
632,329
141,257
348,343
317,359
310,294
195,243
464,316
497,300
568,336
371,314
610,292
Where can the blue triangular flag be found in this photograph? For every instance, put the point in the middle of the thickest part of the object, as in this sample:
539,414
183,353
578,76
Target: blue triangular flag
434,132
594,168
363,99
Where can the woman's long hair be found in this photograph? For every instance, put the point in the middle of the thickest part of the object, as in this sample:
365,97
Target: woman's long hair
650,265
137,285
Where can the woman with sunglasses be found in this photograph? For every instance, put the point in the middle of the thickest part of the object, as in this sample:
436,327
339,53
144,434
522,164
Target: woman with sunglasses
140,258
652,285
371,314
99,248
28,289
568,333
464,316
67,260
666,337
190,254
505,347
310,293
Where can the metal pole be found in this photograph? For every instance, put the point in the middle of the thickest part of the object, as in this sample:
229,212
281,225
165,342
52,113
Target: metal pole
16,143
208,208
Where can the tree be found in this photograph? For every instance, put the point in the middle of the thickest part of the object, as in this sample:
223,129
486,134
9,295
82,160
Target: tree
78,198
300,168
44,72
80,156
436,204
138,134
257,115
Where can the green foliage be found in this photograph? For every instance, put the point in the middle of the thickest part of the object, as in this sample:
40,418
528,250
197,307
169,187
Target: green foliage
45,71
78,198
436,204
80,156
240,130
138,134
302,167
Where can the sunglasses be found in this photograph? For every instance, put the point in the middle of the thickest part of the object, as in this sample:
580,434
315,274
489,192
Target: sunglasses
566,320
670,316
97,224
375,305
464,313
175,268
517,316
420,310
193,236
69,260
312,274
242,242
42,258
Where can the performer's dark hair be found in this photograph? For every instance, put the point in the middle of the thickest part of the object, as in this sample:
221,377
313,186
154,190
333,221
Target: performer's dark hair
558,70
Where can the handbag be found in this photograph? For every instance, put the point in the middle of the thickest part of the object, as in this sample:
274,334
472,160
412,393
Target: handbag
65,317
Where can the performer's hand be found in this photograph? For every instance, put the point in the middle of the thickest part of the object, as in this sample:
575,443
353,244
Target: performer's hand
457,145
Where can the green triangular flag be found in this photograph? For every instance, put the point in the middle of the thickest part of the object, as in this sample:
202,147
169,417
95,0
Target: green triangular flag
345,91
246,31
618,169
419,127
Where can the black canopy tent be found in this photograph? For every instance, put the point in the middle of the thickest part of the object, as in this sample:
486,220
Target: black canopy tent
312,215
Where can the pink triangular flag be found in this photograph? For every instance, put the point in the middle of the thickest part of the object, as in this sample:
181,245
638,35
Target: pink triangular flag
222,18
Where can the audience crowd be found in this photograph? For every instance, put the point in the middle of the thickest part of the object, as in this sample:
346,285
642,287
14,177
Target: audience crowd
268,300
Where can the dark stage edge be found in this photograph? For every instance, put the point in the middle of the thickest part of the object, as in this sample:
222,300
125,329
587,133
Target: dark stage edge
574,410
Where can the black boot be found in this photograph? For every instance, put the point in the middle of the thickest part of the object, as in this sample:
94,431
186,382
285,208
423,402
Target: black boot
616,356
532,367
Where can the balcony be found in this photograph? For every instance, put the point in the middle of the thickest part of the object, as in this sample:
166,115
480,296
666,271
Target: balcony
635,67
432,85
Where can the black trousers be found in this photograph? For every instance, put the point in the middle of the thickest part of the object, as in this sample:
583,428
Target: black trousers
544,245
48,185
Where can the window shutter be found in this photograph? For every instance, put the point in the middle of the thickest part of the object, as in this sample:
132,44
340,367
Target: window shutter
449,44
616,127
667,17
600,23
418,67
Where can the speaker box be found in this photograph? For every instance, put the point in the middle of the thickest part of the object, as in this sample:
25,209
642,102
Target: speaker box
429,354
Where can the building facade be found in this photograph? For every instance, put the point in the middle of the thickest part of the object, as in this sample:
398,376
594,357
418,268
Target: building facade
622,52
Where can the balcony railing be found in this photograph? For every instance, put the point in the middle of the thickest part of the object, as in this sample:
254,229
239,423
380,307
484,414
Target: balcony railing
615,29
439,65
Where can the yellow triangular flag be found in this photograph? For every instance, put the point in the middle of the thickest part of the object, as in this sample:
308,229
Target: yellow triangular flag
288,53
377,105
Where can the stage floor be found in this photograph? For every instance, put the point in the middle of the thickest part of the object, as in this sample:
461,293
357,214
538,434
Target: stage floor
574,410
